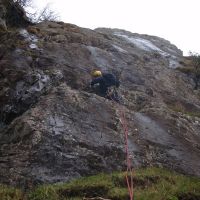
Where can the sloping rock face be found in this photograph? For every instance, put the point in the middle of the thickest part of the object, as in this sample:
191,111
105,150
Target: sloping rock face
53,128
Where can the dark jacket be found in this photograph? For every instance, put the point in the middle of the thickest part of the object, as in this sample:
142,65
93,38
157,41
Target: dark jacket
105,81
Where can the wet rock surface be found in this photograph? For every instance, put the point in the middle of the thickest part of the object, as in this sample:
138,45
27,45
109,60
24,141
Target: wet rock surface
53,129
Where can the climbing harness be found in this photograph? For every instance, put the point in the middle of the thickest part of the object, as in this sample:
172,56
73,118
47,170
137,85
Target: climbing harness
112,94
129,171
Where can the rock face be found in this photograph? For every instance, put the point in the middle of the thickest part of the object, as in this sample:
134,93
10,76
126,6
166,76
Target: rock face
53,128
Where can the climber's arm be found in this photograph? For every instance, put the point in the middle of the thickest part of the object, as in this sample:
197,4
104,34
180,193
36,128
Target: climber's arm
96,80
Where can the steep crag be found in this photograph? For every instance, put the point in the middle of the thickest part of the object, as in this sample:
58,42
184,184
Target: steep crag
52,128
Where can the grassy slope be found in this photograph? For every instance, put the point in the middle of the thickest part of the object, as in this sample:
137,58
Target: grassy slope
149,184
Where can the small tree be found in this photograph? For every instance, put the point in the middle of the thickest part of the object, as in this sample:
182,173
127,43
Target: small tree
24,3
45,14
196,64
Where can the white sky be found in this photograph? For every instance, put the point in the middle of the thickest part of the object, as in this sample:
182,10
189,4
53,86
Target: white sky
174,20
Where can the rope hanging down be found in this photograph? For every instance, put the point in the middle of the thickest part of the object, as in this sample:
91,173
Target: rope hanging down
129,171
129,180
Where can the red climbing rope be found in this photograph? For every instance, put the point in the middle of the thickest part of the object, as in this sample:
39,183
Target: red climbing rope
129,181
129,171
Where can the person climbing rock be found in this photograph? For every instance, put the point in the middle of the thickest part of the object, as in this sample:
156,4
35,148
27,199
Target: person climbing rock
105,84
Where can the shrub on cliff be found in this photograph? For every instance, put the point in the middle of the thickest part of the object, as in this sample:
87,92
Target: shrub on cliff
196,65
45,14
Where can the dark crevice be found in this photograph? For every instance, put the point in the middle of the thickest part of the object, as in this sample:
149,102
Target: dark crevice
11,109
7,116
189,196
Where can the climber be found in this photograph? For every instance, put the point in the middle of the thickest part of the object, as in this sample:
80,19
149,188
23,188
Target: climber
105,85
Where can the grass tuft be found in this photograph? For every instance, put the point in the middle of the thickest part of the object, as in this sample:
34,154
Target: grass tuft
150,183
10,193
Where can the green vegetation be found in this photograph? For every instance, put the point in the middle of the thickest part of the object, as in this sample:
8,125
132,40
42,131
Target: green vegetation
196,65
149,184
193,68
192,65
187,70
9,193
180,108
195,61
